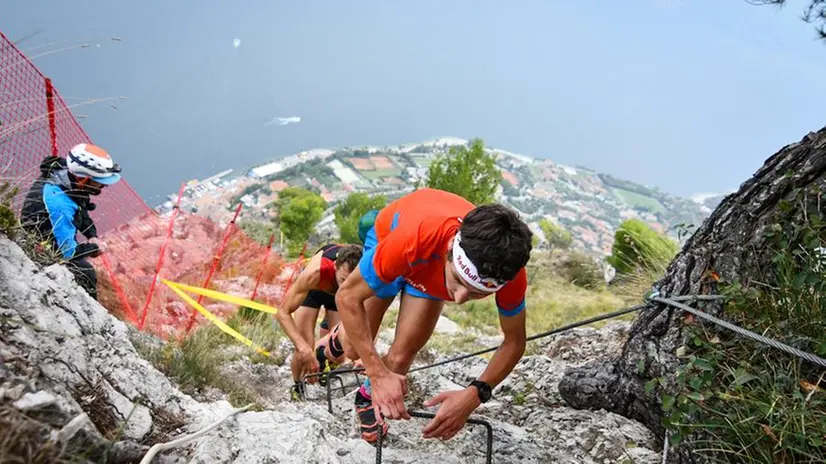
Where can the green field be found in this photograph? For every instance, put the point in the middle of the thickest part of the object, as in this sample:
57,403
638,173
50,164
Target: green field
422,161
373,175
634,200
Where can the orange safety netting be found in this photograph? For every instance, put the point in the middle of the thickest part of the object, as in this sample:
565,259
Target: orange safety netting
193,249
143,246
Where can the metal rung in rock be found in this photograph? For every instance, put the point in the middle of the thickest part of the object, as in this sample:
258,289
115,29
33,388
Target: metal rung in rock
430,415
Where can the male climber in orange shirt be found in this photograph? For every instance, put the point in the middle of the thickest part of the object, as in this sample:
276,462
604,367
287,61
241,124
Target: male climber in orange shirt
433,246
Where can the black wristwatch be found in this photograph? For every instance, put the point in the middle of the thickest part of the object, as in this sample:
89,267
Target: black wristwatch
484,390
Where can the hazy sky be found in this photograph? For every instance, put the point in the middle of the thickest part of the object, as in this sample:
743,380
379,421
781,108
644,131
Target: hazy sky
688,96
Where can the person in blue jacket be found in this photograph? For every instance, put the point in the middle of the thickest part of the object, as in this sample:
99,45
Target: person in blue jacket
57,207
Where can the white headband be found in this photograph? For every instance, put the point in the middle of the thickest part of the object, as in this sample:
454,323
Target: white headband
469,272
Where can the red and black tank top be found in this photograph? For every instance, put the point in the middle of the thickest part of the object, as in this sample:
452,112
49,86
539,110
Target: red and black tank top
327,268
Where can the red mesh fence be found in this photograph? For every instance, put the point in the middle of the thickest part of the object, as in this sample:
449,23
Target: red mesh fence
188,257
143,247
35,123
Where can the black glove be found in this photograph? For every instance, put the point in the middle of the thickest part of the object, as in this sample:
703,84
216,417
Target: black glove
84,224
84,250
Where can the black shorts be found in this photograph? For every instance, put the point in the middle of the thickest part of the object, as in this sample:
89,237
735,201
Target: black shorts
317,299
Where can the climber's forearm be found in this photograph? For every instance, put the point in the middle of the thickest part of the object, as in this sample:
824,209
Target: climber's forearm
350,302
509,353
288,325
292,301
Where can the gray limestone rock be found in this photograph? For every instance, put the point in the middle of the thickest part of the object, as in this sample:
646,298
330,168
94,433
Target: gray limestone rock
64,352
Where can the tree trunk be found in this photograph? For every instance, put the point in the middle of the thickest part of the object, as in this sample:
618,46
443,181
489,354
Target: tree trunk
728,243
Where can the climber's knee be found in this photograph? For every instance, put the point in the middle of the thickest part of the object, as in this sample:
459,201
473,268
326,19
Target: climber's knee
399,360
335,346
350,353
331,345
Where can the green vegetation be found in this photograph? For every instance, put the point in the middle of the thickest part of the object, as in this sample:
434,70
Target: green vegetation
526,175
299,210
259,231
581,270
195,362
640,201
469,172
378,174
612,181
556,235
740,400
405,160
423,161
313,168
637,247
508,189
349,212
8,219
552,300
640,256
452,344
478,314
10,226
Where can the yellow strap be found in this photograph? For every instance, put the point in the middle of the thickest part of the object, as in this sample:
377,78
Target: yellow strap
212,318
223,297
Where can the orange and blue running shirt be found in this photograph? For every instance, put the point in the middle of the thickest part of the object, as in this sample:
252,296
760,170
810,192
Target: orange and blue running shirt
413,234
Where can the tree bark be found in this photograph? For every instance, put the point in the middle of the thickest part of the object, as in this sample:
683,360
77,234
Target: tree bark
728,243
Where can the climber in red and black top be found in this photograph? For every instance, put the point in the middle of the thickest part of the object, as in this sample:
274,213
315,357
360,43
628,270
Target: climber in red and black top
316,286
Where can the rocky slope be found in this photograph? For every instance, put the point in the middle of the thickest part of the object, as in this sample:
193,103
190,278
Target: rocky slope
72,384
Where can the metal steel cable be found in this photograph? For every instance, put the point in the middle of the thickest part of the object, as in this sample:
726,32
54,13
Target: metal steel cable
666,440
486,350
564,328
728,325
535,337
548,333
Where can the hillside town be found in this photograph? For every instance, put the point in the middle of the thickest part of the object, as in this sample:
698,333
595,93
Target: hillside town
590,205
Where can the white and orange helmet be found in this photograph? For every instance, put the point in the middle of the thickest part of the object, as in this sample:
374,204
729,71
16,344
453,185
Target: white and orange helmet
87,160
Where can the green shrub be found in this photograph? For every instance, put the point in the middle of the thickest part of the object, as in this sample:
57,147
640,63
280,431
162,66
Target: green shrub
638,247
8,219
640,256
582,271
251,315
348,213
551,300
195,362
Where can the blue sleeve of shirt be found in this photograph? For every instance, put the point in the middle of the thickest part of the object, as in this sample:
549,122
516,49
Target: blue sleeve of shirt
61,214
510,312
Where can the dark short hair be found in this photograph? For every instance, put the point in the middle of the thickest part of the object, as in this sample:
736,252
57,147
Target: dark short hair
496,240
349,255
